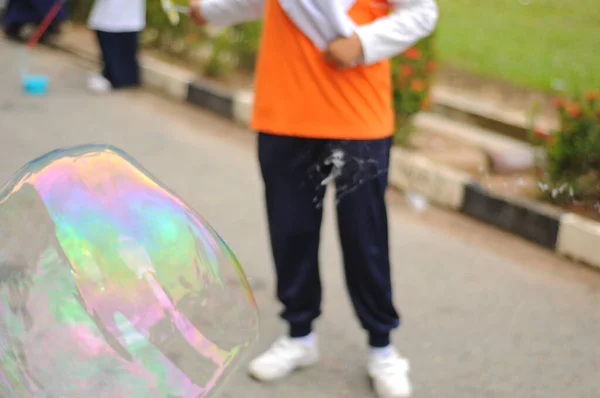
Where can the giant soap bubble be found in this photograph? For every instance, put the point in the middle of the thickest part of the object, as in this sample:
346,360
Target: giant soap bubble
111,286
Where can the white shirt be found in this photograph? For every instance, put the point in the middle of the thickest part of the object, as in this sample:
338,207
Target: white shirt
321,20
118,15
386,37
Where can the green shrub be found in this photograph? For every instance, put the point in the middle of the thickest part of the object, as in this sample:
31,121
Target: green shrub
572,152
245,44
412,74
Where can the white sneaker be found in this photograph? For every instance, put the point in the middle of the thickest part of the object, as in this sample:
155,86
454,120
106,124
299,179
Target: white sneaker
99,84
389,374
283,357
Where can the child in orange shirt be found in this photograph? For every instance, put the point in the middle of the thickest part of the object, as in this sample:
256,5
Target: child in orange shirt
324,113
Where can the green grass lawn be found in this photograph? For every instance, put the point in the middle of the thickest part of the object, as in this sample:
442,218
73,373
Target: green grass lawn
528,42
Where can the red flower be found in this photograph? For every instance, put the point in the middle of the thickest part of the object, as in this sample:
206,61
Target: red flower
406,70
574,110
558,103
418,85
544,135
432,66
591,95
413,53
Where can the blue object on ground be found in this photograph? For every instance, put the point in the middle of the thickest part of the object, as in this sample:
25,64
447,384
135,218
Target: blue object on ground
36,84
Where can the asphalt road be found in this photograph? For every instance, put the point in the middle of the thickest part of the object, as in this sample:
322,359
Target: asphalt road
485,315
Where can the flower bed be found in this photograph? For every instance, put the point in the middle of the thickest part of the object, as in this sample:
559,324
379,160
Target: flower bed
569,166
412,74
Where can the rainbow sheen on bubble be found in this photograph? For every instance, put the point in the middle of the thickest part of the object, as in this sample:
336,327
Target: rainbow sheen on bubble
111,286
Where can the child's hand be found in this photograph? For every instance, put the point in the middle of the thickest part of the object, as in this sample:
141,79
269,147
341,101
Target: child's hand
344,52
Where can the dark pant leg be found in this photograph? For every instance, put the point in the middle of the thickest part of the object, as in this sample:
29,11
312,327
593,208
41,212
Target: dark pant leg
363,230
119,56
294,225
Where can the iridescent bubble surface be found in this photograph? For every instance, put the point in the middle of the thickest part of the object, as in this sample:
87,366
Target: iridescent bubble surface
111,286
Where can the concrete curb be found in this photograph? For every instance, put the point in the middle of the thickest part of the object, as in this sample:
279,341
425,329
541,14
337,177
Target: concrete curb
530,220
485,114
504,154
565,233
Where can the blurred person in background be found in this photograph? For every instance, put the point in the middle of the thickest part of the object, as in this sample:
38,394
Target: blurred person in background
323,109
118,24
20,13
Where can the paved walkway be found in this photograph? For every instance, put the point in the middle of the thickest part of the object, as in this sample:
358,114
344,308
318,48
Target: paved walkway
486,316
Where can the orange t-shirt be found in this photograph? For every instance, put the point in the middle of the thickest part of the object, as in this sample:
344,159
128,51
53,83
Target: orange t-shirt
297,93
